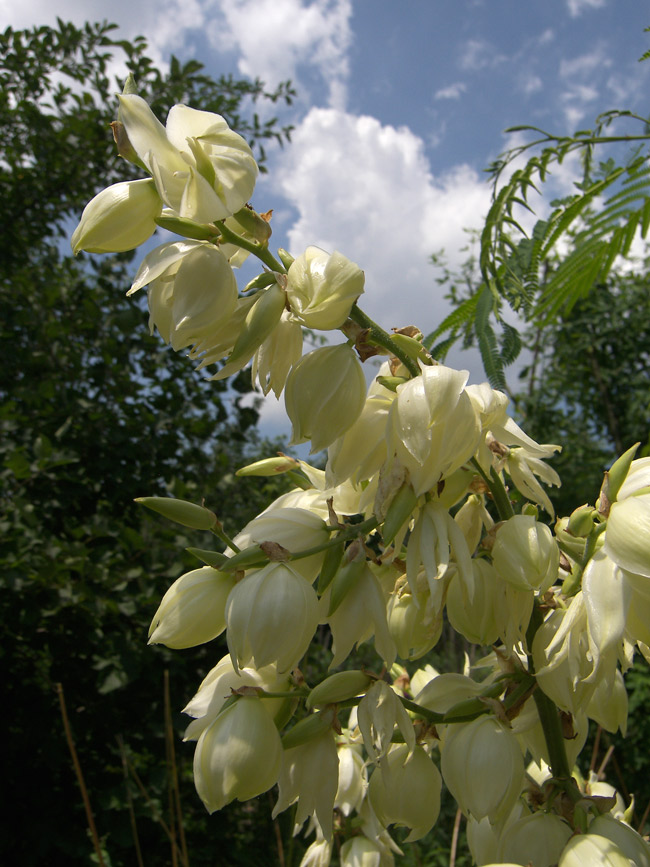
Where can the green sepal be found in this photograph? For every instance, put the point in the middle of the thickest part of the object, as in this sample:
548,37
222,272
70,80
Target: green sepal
260,282
250,558
286,258
210,558
260,321
344,580
183,512
411,347
617,473
331,563
307,729
391,382
399,510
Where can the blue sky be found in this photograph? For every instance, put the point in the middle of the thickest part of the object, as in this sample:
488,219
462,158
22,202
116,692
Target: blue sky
400,107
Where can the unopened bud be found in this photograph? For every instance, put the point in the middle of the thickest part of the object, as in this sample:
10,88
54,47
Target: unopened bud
411,347
338,687
286,258
617,473
581,521
181,511
270,466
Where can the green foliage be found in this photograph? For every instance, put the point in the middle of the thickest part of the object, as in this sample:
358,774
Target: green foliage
587,384
94,413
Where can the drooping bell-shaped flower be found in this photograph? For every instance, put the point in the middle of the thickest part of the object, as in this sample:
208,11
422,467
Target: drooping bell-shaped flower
271,615
120,218
238,755
483,767
202,169
537,839
324,395
406,791
322,287
526,554
217,686
587,850
309,775
275,357
433,428
192,610
192,291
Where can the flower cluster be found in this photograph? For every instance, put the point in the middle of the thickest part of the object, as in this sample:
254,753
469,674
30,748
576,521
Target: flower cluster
429,508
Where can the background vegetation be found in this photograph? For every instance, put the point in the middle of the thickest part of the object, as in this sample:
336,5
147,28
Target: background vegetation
95,412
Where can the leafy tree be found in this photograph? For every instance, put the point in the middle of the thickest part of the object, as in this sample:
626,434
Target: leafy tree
94,413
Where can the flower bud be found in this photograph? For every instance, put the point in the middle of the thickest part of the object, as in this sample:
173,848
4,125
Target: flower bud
321,288
238,756
407,792
192,610
483,767
338,687
181,511
525,554
581,521
324,395
120,218
269,466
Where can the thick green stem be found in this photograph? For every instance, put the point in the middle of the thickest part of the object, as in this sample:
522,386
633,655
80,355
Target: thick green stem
262,252
496,488
549,716
382,338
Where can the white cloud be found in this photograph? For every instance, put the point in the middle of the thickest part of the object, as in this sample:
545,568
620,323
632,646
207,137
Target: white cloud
368,191
530,84
577,7
276,38
454,91
586,64
479,54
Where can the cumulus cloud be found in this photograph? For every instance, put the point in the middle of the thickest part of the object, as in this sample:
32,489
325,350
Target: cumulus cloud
454,91
278,39
367,189
577,7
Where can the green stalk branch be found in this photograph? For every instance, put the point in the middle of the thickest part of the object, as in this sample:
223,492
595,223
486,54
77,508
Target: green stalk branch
380,337
571,583
549,716
496,488
262,252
